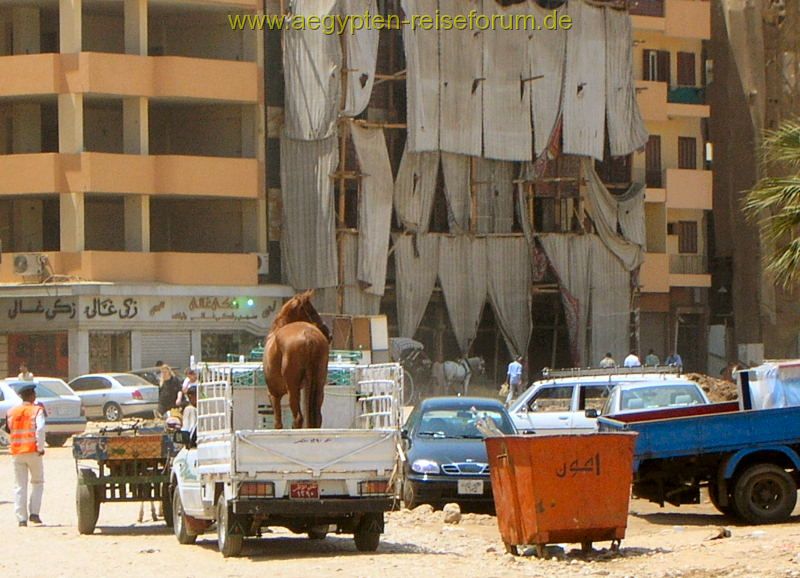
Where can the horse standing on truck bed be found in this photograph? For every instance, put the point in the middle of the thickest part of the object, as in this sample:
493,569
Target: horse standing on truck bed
296,358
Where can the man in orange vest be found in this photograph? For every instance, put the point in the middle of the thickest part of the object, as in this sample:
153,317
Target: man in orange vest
25,424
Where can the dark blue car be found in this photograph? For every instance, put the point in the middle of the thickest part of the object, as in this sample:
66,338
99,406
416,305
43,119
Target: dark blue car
446,456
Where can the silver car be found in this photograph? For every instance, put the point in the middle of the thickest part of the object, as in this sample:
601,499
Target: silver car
112,396
63,410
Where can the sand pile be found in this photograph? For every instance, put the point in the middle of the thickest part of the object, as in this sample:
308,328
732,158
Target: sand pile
716,389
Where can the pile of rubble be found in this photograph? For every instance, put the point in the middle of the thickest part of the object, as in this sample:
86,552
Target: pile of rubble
716,389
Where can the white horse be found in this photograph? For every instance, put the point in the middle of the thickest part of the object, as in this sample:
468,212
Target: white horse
457,374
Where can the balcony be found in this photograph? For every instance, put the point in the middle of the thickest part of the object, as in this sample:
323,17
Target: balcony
688,264
129,267
689,189
687,101
44,173
652,99
129,75
654,274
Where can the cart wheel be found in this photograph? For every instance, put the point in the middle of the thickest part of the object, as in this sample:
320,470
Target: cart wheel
410,497
229,544
179,525
166,504
511,549
368,533
87,505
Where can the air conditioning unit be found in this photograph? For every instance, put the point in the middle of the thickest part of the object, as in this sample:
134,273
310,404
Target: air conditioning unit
263,263
28,264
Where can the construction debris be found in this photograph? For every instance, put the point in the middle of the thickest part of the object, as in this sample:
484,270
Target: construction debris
717,390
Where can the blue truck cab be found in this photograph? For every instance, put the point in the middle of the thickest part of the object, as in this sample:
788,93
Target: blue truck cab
746,455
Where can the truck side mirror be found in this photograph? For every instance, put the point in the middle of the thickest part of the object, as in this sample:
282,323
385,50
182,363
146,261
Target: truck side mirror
592,413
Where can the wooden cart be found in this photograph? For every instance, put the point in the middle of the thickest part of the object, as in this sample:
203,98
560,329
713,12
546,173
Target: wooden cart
122,464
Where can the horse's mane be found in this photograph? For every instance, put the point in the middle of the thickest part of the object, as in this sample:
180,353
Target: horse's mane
300,308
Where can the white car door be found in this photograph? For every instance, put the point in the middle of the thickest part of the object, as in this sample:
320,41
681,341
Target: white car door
549,410
185,467
589,397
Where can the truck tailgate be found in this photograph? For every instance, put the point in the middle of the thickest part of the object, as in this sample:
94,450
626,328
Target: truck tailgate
318,452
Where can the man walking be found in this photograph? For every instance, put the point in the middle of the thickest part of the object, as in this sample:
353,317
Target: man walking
25,424
514,377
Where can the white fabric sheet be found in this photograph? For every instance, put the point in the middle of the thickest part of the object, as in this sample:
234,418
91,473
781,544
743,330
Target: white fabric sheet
495,196
417,264
632,220
569,256
414,190
356,300
602,207
507,130
312,65
374,206
584,102
422,79
509,280
611,303
309,239
462,274
546,58
626,130
456,170
460,87
361,50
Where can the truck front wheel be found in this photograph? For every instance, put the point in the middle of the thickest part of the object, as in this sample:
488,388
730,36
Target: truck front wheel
179,525
230,545
765,494
368,532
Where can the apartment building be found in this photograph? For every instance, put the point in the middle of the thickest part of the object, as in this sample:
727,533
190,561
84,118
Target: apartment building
669,65
132,184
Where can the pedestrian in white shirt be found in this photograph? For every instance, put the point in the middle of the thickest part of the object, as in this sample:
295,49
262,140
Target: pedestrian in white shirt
608,362
189,420
632,360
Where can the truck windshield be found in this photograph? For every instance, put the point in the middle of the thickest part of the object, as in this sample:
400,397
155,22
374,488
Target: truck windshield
659,397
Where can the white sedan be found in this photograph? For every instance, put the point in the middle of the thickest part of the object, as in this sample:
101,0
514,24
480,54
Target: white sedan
64,414
112,396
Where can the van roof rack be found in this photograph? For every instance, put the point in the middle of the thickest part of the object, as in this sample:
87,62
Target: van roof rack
602,371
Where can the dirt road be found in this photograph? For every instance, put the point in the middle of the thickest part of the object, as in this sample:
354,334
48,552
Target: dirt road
661,543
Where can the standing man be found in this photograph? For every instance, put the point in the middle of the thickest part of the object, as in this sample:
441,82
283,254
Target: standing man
652,359
608,361
514,377
675,360
25,425
24,373
632,360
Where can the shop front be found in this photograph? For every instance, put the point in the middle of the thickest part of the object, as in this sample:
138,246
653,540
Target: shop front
93,328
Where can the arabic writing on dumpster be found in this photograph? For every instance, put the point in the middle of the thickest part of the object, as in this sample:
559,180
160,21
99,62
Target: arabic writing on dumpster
580,466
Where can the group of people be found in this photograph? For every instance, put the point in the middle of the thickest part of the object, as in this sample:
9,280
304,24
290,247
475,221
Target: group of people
174,394
651,360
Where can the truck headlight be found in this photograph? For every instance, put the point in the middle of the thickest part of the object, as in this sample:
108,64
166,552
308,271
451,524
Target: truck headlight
425,467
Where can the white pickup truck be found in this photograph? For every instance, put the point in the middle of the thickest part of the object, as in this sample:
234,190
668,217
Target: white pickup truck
559,403
245,476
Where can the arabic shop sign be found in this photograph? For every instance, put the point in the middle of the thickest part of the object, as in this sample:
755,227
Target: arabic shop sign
47,309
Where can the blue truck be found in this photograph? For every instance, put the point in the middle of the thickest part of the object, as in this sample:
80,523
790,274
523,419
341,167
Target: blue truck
748,459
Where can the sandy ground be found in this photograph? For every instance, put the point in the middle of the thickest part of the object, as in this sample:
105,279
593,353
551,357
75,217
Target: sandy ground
666,542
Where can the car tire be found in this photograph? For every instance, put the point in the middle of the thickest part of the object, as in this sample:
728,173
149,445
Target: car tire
765,494
179,525
410,495
112,411
368,533
230,544
56,440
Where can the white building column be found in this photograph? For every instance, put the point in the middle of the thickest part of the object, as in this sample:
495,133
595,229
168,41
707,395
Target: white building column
137,223
70,141
70,31
78,345
197,345
136,349
136,27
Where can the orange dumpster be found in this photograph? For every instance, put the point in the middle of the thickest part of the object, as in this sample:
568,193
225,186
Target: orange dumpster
561,488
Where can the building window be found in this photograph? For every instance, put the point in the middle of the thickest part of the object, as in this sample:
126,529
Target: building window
657,65
652,161
687,236
686,69
687,152
654,8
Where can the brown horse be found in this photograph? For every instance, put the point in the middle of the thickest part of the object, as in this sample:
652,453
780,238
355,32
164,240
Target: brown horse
296,358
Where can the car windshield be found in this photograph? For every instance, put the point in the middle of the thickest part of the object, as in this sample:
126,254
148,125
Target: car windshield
461,423
645,397
57,386
130,379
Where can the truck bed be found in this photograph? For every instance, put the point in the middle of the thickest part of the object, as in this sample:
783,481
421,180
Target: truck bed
694,435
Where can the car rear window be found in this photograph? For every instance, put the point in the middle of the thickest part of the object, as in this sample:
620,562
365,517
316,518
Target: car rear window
56,386
130,379
660,397
461,423
41,389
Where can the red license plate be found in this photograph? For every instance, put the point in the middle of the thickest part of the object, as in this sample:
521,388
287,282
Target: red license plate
304,491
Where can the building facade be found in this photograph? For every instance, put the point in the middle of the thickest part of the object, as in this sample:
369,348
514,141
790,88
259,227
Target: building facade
669,65
132,185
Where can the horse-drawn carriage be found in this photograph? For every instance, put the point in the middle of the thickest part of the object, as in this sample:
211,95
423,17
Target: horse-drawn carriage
122,464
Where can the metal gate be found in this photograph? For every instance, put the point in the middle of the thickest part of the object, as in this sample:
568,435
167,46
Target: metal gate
171,347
